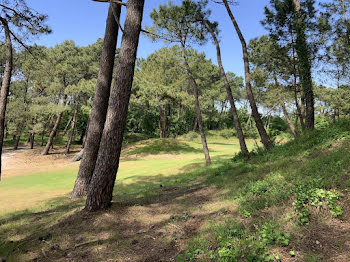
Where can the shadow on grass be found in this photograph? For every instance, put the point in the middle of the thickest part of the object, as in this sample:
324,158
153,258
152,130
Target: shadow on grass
150,214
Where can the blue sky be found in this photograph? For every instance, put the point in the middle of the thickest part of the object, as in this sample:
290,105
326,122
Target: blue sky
84,21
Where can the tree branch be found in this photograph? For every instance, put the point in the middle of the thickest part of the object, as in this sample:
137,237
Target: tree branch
112,1
158,36
117,19
21,43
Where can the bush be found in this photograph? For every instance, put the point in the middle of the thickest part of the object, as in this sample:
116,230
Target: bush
227,133
191,136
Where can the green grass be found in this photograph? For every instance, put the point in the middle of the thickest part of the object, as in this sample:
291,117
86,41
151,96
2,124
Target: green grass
274,192
33,190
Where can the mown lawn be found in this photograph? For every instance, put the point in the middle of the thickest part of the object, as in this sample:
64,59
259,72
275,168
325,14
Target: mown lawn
150,158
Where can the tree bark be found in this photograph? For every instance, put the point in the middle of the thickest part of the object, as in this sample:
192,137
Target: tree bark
100,190
100,104
170,120
265,139
234,112
42,139
162,121
67,126
289,121
17,142
305,66
78,156
299,111
195,125
32,138
71,135
198,108
5,86
285,112
53,133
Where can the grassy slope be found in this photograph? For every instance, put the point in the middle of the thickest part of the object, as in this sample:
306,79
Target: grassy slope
241,209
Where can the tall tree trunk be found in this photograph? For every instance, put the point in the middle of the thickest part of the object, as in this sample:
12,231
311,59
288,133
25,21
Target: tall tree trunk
162,121
5,86
100,104
265,139
17,142
32,138
234,112
42,139
289,121
299,111
198,108
53,133
67,126
302,106
102,183
71,135
170,120
305,66
195,125
285,112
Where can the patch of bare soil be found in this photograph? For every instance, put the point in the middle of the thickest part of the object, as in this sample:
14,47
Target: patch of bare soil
157,231
26,161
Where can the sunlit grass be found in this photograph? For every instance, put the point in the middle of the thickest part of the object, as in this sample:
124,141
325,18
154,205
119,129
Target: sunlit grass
154,157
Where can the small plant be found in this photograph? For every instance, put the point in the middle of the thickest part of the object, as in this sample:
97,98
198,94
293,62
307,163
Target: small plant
272,234
315,197
257,195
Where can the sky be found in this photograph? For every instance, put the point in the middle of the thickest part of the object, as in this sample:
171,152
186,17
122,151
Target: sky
84,21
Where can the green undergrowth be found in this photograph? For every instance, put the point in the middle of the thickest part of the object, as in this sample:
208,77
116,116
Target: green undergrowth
284,185
231,241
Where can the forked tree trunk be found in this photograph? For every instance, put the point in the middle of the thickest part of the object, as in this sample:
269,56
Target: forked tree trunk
53,133
265,139
71,135
5,86
234,112
100,104
305,66
102,183
198,109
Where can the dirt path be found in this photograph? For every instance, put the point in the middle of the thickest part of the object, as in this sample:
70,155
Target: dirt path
26,161
8,154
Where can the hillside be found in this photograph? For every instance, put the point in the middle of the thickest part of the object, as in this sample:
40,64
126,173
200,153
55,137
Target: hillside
288,204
